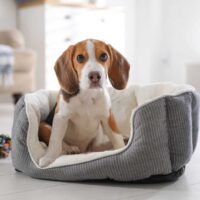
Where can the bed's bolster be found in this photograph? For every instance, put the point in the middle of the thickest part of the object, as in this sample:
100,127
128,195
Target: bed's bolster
20,126
175,120
195,117
179,129
150,141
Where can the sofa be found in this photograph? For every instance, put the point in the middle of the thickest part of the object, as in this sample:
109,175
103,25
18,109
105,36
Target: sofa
23,67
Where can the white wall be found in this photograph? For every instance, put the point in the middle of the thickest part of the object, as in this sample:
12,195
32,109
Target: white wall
148,37
129,9
162,37
7,14
167,39
181,39
143,36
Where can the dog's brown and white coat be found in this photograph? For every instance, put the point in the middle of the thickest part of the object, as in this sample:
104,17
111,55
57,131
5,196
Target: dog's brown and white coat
83,105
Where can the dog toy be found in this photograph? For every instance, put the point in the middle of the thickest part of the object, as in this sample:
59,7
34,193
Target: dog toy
5,146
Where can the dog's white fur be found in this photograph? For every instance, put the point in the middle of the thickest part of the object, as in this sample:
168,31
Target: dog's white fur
78,122
92,65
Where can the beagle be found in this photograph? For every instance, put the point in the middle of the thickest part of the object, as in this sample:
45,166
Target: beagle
83,106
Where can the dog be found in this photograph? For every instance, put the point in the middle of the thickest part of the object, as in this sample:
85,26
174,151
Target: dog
83,104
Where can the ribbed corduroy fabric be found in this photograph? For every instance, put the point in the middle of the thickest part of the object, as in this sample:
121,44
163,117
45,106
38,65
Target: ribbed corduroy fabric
165,136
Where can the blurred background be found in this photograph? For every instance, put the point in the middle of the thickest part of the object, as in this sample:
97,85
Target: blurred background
160,39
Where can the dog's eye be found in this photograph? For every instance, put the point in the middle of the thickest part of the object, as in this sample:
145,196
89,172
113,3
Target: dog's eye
80,58
103,57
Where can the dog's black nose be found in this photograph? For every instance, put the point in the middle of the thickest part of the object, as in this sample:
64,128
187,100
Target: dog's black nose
94,76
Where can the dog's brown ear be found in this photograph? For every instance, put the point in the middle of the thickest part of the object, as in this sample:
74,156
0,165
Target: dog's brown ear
66,73
118,71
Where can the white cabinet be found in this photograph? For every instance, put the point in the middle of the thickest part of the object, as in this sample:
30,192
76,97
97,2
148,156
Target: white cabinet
50,29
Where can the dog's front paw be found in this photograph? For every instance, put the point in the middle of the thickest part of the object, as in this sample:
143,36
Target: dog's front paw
67,149
45,161
118,142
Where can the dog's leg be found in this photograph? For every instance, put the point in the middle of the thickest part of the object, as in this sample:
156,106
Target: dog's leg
110,129
44,133
59,127
69,149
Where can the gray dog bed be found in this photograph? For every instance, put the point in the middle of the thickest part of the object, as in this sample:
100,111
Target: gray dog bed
161,121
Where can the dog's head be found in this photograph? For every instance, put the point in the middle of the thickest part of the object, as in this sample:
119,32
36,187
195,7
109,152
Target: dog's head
88,63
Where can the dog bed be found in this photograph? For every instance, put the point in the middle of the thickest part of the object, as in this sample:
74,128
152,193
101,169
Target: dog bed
161,121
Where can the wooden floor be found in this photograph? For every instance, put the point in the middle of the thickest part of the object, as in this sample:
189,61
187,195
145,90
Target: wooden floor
15,185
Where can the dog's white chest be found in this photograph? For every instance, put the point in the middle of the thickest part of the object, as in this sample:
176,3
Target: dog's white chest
90,103
86,112
89,108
